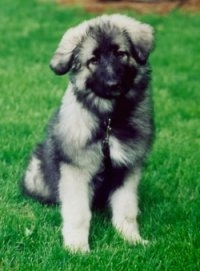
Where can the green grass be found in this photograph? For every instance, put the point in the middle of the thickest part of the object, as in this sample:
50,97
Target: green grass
30,237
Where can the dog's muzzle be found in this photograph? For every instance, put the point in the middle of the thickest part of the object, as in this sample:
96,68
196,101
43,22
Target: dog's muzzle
111,90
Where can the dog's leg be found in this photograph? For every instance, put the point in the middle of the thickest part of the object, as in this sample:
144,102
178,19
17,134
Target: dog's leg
124,205
75,207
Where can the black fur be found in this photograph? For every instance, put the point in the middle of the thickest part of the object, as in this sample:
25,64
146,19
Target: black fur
111,83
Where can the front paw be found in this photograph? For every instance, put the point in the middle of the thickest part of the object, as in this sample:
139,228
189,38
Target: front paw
77,247
128,228
135,239
76,241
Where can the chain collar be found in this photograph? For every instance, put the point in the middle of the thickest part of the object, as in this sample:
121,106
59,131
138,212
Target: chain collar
105,142
108,132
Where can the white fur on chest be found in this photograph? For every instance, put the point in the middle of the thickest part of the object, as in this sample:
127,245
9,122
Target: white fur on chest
75,124
119,152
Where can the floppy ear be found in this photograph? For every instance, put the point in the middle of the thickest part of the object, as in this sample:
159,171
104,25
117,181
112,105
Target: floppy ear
141,35
62,58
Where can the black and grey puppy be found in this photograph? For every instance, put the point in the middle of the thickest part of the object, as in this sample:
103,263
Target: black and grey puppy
98,139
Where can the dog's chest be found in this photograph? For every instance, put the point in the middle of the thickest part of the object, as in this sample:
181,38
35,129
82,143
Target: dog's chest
114,146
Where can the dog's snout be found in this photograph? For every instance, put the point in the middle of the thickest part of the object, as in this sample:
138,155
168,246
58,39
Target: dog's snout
112,84
112,88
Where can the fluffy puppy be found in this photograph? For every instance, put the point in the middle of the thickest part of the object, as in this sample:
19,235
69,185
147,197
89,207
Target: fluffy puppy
98,139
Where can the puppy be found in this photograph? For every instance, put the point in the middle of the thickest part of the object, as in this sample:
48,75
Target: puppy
99,137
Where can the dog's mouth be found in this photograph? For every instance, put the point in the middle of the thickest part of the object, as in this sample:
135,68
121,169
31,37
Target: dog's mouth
109,93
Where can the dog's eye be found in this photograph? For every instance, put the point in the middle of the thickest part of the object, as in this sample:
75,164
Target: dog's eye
122,54
93,61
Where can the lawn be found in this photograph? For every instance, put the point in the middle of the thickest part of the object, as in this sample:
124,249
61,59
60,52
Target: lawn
30,238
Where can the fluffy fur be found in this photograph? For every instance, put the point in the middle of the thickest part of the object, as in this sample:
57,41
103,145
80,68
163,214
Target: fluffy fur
98,139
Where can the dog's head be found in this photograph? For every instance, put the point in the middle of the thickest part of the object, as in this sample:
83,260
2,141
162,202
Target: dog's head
104,54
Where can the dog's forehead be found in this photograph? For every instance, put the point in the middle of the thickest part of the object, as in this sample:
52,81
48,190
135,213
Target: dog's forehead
102,38
107,34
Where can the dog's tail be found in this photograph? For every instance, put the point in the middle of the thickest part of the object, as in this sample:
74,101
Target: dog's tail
33,183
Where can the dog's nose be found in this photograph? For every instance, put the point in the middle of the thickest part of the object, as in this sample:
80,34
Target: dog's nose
112,84
113,88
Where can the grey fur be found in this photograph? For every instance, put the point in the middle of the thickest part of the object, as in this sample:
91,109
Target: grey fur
107,58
